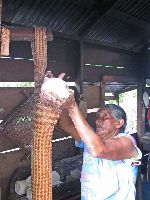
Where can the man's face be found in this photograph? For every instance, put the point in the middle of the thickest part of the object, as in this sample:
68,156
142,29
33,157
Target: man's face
106,124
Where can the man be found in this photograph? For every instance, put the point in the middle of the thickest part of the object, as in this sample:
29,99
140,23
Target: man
107,171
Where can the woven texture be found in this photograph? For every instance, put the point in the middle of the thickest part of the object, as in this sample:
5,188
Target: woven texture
44,121
39,52
18,127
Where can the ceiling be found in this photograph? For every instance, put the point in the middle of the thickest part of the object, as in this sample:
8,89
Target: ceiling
123,24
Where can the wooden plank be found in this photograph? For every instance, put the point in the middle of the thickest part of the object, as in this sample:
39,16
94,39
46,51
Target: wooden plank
107,98
98,94
90,92
127,89
102,91
119,79
16,70
17,95
93,74
20,49
5,143
140,107
68,68
94,54
0,12
95,42
63,56
81,67
61,149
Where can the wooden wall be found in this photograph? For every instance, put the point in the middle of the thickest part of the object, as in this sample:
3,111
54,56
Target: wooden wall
63,56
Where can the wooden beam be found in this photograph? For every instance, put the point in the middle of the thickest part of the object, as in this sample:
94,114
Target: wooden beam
25,34
101,91
140,107
0,11
127,89
81,67
6,143
16,70
107,98
116,48
0,22
17,95
120,79
92,74
140,127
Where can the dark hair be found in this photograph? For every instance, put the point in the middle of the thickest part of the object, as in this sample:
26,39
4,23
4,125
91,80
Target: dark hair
118,113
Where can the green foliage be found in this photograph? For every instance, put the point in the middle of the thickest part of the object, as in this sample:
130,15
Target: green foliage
122,96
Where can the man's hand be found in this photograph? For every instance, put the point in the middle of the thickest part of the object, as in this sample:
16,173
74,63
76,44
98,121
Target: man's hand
54,91
70,101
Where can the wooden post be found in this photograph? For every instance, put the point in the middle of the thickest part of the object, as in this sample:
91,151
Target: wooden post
140,129
140,120
0,19
81,68
102,91
0,12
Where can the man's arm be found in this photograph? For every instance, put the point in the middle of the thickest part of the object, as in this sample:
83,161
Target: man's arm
66,124
113,149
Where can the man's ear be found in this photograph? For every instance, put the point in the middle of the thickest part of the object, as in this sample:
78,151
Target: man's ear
120,123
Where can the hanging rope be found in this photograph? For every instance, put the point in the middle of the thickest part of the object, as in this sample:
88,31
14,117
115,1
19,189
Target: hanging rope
44,120
39,52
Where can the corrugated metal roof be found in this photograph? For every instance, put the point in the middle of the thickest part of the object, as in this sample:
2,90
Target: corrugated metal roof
139,9
122,24
114,32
